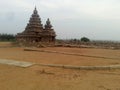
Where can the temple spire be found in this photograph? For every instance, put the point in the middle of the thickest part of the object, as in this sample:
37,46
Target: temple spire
48,24
34,24
35,33
35,10
48,21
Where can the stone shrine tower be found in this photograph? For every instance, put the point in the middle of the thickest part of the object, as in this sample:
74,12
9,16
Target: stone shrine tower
35,32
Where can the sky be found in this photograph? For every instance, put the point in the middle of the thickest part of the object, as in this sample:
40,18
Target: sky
95,19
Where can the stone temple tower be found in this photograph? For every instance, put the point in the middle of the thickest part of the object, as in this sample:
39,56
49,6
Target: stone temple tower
35,32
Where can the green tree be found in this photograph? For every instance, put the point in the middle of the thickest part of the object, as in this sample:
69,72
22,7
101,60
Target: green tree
85,39
7,37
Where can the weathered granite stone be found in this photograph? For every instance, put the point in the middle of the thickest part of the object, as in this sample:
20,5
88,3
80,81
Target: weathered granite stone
35,33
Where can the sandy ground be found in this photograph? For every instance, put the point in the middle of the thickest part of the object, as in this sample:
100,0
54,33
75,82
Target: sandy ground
33,78
16,53
48,78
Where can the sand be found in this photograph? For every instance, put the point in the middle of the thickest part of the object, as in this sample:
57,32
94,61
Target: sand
16,53
49,78
33,78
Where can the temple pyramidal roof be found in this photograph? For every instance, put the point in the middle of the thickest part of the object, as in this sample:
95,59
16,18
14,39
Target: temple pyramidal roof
35,24
35,31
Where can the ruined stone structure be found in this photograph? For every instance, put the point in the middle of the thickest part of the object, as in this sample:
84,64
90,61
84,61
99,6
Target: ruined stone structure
35,32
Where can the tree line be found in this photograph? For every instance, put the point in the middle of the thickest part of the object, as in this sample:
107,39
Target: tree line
7,37
87,42
74,41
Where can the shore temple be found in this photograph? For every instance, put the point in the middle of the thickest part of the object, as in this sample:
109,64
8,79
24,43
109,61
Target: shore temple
35,32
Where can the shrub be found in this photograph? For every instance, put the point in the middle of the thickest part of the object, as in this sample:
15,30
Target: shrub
85,39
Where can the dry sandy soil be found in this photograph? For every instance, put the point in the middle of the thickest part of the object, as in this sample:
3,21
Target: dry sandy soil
49,78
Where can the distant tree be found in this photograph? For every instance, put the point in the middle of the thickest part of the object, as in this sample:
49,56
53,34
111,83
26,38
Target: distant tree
7,37
85,39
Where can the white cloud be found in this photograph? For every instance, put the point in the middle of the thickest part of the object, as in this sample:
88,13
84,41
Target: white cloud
79,17
106,9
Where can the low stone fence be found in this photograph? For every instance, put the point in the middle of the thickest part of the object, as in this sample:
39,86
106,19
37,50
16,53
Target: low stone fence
66,53
28,64
109,67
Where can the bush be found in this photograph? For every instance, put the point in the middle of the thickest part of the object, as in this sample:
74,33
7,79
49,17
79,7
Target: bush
85,39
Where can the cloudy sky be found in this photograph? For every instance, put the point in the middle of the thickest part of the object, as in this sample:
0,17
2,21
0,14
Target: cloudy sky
95,19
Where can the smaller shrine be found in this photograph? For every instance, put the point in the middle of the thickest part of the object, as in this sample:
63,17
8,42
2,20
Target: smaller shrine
35,32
